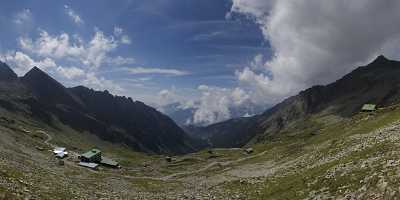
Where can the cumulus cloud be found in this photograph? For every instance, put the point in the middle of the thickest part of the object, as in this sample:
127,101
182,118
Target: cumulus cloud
214,104
101,83
98,48
71,72
93,53
73,15
166,97
47,45
316,42
21,62
150,70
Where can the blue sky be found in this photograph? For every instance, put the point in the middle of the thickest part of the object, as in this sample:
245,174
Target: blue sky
192,40
208,55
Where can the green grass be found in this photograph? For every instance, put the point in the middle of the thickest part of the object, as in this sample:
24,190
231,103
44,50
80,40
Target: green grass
288,184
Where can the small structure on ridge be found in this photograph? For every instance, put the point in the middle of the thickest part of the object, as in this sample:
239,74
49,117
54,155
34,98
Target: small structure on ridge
368,108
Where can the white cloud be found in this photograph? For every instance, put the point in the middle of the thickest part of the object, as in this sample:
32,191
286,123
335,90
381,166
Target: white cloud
71,72
125,39
23,17
98,48
166,97
21,63
93,53
149,70
101,83
316,42
119,60
215,104
118,31
52,46
73,15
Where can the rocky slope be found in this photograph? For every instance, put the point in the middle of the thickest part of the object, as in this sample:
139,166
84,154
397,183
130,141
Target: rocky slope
377,83
112,118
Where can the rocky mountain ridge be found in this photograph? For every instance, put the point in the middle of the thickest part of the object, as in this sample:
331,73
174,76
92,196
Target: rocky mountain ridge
112,118
377,83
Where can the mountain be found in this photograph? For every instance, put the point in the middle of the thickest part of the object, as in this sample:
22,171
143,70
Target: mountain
112,118
6,74
183,115
377,83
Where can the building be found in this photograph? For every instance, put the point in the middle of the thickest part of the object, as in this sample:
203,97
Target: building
60,152
108,162
62,155
92,156
89,165
249,150
368,108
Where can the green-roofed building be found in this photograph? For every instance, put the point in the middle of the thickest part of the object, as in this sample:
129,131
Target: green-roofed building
93,156
368,108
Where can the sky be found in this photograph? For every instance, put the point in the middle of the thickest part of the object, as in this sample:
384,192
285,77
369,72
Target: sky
210,55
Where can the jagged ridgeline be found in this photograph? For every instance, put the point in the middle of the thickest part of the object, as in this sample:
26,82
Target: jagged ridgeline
112,118
377,83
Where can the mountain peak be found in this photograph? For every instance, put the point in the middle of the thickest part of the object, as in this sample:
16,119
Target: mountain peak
6,73
380,59
35,71
38,76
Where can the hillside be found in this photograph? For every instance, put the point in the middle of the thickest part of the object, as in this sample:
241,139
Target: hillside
114,119
376,83
325,151
356,158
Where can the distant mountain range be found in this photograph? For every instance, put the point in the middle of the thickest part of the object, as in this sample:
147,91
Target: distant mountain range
122,120
377,83
183,115
112,118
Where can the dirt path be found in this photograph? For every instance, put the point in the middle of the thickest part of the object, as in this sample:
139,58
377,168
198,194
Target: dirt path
220,164
164,178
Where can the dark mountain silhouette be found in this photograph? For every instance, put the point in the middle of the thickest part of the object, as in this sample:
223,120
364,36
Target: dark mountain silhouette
112,118
6,73
377,83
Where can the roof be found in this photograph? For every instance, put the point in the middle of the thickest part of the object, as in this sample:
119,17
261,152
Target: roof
62,154
108,161
58,150
369,107
91,153
89,165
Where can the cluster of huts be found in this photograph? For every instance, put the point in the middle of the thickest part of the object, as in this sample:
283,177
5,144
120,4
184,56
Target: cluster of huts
90,159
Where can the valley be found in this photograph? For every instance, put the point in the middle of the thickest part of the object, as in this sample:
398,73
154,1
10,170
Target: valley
354,158
319,144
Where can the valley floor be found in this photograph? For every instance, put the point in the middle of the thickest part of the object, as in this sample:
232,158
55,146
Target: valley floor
356,158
